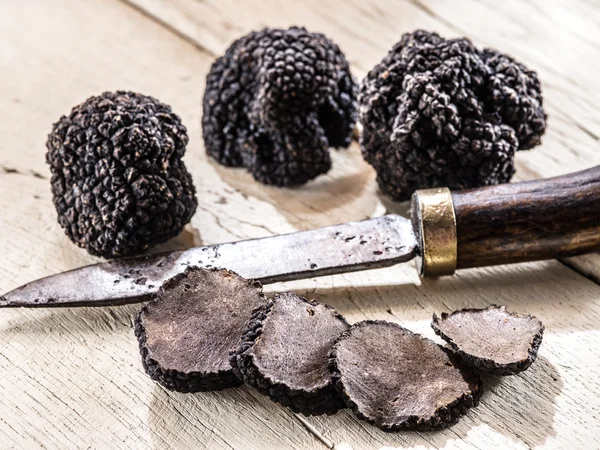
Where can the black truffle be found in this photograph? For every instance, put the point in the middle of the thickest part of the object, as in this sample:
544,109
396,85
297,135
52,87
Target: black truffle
275,103
398,380
284,351
440,112
118,182
186,333
491,340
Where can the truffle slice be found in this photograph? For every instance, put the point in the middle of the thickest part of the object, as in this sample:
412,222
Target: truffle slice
186,333
284,351
491,340
399,380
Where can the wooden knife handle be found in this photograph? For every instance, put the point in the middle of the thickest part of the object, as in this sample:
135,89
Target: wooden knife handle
534,220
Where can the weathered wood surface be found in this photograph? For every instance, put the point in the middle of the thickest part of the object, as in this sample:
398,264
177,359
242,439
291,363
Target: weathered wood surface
73,379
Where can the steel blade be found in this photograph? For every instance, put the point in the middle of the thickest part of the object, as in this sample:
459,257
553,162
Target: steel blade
353,246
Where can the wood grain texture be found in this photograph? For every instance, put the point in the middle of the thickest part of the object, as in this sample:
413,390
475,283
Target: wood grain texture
72,378
528,221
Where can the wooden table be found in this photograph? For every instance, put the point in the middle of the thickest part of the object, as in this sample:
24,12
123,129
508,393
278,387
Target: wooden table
72,378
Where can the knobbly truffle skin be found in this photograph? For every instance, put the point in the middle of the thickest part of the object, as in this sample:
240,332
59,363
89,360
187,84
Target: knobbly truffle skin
275,103
440,112
118,182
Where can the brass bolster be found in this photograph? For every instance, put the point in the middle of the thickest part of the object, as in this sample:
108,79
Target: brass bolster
434,222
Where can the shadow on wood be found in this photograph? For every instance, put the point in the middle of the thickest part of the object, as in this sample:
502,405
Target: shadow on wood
394,207
223,419
342,195
190,237
526,399
71,321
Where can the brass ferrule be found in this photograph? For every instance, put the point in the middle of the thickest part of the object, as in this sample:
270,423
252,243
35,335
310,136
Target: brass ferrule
434,223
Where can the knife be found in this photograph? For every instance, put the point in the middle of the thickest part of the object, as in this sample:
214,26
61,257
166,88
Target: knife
509,223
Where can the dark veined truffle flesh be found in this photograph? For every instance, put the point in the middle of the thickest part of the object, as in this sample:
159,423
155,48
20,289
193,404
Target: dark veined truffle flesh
118,182
186,333
275,103
284,353
440,112
398,380
491,340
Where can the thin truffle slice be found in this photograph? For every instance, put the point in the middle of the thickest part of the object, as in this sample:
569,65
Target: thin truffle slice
491,340
284,351
186,333
399,380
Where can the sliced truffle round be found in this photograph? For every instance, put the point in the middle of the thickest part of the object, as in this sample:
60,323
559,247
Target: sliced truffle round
284,353
119,184
276,102
492,340
399,380
186,333
440,112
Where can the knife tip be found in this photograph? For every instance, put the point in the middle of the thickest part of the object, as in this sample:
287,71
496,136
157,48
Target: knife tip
10,300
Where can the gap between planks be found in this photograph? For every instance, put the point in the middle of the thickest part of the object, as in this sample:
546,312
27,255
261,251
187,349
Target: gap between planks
166,25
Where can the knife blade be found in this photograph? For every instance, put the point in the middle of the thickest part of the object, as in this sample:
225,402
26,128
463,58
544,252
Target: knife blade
368,244
510,223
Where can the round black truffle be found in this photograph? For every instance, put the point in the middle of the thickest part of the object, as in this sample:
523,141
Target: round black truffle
491,340
118,182
440,112
186,333
398,380
275,103
284,353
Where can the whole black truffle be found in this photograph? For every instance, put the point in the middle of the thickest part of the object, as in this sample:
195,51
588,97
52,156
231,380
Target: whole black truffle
275,103
118,182
440,112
